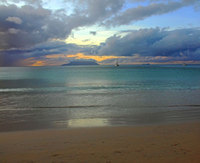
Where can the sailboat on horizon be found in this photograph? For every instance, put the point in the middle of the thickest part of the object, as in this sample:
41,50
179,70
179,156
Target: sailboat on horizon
185,64
117,64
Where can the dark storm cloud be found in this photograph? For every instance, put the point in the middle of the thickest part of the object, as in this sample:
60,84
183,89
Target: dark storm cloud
27,26
11,57
142,12
184,43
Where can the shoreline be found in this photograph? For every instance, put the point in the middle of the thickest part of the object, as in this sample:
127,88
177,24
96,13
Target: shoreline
152,143
94,126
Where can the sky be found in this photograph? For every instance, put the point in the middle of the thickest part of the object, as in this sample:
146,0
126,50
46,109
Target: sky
56,32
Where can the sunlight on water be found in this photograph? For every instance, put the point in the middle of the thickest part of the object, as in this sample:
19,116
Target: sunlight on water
48,97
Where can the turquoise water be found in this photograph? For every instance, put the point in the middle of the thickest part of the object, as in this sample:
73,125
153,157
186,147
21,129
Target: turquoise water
63,97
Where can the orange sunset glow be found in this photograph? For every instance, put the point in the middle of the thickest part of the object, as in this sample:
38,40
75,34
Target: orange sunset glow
83,56
38,63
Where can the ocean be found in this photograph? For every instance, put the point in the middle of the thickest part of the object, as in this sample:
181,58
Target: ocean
96,96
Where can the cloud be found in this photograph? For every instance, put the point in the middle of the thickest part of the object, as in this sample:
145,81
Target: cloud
14,20
93,32
29,56
13,31
142,12
182,44
29,2
90,12
26,26
14,56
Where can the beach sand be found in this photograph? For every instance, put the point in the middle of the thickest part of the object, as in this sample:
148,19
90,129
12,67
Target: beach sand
153,143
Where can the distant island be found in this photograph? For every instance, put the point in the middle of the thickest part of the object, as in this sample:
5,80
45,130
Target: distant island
80,63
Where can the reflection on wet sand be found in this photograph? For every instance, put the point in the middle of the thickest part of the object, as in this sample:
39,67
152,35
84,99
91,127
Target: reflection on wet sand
90,122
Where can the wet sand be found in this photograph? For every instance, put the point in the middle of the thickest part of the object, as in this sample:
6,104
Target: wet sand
155,143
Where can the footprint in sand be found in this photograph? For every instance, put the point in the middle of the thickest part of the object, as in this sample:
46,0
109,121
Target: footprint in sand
117,152
175,144
55,155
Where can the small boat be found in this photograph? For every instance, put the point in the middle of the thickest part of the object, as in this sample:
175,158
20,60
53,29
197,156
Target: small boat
117,64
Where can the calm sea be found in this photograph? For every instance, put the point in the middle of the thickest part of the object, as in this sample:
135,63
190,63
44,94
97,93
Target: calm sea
90,96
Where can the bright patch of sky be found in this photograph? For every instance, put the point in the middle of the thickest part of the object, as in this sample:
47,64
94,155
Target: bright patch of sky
185,17
4,2
54,5
83,36
59,4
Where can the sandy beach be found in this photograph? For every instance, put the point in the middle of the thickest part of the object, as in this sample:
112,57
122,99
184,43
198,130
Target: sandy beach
155,143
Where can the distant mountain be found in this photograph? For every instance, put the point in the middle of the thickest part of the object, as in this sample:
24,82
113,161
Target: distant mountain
79,63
